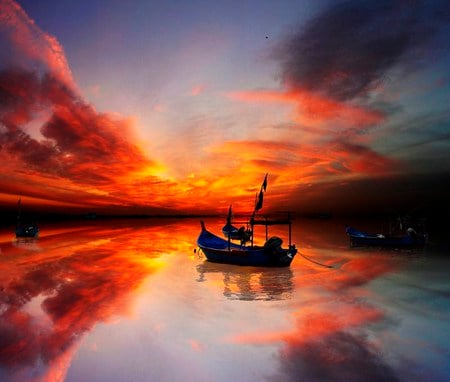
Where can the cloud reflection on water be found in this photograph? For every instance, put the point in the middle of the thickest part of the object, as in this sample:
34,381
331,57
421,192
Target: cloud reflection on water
50,299
330,340
330,337
164,306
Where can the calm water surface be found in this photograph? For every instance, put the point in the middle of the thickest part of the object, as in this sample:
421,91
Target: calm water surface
132,301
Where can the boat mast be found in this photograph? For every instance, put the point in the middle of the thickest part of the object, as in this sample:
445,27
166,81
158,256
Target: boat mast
252,225
290,228
19,202
259,198
229,224
267,230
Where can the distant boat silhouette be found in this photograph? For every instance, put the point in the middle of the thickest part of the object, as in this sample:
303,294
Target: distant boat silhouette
403,238
25,230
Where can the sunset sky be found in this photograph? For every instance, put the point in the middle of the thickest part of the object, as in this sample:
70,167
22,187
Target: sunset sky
183,106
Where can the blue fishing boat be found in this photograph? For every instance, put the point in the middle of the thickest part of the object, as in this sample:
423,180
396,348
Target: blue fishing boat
408,239
271,254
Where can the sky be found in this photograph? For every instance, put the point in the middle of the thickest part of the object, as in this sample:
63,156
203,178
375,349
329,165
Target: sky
149,107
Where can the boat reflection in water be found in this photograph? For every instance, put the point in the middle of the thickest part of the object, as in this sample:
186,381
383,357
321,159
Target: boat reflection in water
28,243
249,283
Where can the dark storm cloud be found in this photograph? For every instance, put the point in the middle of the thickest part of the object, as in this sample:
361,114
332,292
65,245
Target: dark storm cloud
349,48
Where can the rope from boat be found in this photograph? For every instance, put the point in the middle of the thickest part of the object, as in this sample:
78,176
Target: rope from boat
314,261
199,255
198,251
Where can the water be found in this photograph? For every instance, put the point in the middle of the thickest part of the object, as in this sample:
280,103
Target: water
130,300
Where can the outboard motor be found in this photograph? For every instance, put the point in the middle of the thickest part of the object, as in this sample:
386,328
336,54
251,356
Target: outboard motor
412,232
273,246
244,235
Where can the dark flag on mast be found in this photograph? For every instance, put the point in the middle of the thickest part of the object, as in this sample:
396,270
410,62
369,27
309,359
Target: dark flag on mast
259,203
260,199
264,185
230,215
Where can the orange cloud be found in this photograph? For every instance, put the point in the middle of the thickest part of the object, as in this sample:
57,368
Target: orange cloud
81,156
313,109
291,165
197,90
326,143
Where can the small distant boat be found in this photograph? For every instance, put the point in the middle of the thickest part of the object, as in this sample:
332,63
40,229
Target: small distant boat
271,254
30,230
408,239
25,230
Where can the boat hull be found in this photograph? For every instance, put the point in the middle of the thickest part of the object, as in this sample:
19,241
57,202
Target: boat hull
363,239
219,250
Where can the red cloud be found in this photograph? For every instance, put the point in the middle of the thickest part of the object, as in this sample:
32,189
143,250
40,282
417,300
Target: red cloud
78,144
197,90
313,109
79,154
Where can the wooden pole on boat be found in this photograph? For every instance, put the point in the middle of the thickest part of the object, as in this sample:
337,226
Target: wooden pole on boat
229,227
290,228
252,227
19,204
267,230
